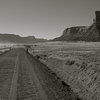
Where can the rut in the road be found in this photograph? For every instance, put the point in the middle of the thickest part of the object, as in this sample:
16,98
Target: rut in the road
7,68
13,88
27,89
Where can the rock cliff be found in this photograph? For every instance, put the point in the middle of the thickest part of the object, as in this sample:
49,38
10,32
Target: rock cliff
82,33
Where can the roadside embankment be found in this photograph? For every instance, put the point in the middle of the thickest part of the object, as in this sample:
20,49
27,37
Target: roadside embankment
83,76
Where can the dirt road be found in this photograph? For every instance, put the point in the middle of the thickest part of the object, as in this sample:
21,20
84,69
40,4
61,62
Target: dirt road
22,77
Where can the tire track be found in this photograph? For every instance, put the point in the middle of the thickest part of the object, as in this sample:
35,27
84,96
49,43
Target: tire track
27,89
6,74
13,89
41,91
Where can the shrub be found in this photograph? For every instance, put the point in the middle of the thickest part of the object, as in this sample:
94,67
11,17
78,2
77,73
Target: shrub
70,62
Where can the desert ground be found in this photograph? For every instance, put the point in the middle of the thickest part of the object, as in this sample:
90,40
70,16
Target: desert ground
75,63
50,71
23,77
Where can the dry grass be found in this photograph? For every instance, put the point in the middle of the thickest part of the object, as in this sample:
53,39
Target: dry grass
78,64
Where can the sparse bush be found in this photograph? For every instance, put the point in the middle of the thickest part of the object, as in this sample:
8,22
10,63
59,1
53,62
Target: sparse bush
70,62
37,56
35,45
84,65
77,64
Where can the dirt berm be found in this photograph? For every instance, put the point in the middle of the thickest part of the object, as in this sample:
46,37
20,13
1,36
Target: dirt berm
83,77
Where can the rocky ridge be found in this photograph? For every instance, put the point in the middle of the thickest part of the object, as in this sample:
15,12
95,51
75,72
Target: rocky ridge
80,33
11,38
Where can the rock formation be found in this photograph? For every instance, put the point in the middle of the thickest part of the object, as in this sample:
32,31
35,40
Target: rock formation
98,20
82,33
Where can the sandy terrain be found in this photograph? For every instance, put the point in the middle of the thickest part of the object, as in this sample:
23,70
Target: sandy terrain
77,64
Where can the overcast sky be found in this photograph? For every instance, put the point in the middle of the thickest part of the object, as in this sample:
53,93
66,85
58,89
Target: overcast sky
45,18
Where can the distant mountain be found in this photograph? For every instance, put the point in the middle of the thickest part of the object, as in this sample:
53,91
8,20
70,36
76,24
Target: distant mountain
80,33
11,38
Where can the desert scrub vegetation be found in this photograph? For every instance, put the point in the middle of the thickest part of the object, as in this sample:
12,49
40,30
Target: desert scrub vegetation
70,62
77,64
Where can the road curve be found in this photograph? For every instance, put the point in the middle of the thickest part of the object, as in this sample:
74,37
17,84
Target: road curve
22,77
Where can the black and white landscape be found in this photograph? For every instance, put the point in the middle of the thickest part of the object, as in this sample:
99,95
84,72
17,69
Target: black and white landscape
49,50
